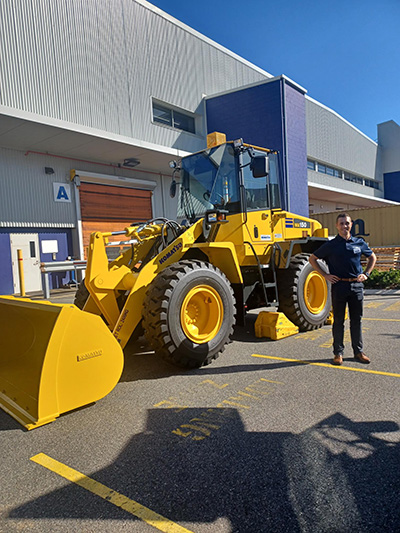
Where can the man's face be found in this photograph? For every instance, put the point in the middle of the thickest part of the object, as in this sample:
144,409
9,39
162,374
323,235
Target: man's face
343,225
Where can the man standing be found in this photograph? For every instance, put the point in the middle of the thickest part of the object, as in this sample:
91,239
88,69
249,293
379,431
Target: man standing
343,257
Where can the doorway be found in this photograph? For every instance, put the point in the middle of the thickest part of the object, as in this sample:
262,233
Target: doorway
29,244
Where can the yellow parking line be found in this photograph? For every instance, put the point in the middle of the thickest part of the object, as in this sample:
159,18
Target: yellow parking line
393,307
383,319
147,515
328,365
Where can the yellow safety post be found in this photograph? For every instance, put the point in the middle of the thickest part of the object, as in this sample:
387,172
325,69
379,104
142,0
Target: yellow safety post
21,273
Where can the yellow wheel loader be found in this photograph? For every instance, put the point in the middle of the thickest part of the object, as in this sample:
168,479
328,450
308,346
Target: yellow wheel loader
185,285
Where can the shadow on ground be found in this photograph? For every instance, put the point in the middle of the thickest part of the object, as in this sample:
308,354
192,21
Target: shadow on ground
199,465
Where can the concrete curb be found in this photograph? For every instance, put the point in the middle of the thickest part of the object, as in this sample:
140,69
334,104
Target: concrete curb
383,292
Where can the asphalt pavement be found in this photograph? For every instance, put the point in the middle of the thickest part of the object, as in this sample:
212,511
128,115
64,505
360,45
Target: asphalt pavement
269,437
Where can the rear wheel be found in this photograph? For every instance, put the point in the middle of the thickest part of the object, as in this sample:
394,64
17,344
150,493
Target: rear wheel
304,294
188,313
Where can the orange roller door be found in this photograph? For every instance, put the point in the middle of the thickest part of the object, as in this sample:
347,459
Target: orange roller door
108,208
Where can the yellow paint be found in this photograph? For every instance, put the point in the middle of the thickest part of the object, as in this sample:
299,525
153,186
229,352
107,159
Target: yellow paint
202,313
327,365
379,225
21,273
274,325
211,382
215,138
144,513
233,403
315,292
169,404
53,358
393,307
373,305
383,319
272,381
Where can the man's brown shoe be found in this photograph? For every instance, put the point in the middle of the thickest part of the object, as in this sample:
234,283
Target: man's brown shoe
362,358
337,359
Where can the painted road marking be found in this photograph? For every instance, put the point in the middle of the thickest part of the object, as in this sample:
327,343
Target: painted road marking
147,515
393,307
373,305
383,319
328,365
210,420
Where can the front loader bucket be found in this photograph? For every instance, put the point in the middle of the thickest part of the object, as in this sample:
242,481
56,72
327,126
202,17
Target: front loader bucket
53,358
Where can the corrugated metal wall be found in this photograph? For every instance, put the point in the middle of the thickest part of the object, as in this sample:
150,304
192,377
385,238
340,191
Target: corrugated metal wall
379,226
98,63
26,192
27,195
330,139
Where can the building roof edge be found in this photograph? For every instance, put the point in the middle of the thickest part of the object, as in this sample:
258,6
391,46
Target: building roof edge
341,118
199,35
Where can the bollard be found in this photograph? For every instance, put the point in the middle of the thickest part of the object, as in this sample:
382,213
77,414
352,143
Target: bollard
21,273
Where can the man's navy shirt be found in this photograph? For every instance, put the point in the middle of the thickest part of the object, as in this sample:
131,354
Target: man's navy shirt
343,257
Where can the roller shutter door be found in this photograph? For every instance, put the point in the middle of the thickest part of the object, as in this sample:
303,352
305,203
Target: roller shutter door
108,208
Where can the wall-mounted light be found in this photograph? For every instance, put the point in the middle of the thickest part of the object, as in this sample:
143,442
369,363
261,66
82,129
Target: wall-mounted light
131,162
48,170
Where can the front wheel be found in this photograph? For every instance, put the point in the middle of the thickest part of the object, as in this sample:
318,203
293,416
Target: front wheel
304,295
188,313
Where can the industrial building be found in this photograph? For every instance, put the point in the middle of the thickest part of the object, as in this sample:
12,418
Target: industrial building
97,97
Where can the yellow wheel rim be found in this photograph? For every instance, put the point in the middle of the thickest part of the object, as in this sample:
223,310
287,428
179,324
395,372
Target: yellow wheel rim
202,313
315,292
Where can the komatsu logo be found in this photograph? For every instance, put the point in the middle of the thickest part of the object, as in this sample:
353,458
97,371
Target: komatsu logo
171,252
89,355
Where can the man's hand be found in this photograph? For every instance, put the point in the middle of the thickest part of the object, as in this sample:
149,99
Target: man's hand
361,278
331,278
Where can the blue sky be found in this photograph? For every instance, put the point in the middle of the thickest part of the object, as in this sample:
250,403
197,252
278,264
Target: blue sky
345,53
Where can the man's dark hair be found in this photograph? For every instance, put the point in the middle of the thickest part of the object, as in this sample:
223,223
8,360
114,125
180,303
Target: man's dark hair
343,215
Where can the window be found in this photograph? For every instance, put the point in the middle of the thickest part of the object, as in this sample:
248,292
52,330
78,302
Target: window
260,192
162,115
172,118
337,173
32,248
330,171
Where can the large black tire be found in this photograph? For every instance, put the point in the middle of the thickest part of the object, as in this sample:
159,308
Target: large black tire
81,295
304,295
189,313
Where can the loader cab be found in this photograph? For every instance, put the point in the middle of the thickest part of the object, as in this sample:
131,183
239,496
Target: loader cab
232,177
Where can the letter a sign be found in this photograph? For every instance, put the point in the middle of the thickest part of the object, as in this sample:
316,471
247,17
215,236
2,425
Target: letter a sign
62,192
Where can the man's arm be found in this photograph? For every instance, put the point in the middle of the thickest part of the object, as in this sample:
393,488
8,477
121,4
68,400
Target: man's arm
314,263
369,268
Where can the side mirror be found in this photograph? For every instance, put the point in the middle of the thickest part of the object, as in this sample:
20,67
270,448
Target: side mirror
259,166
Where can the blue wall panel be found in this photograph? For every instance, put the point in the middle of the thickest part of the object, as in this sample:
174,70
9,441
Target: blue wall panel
391,182
6,275
257,115
253,114
296,139
63,238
